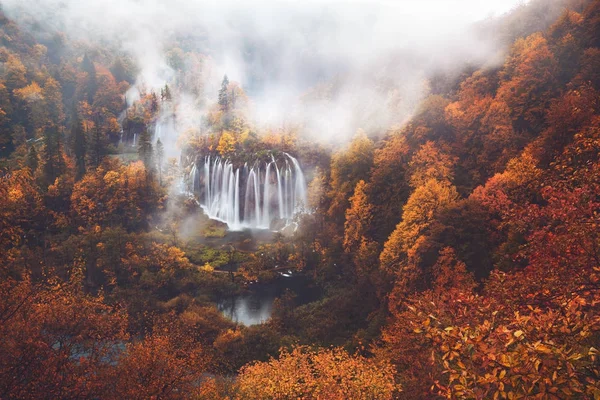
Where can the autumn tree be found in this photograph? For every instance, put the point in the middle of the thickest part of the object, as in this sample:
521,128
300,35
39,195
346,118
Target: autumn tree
15,73
227,144
63,341
422,207
387,187
528,82
429,163
52,93
347,168
320,374
22,211
165,364
32,102
357,242
122,195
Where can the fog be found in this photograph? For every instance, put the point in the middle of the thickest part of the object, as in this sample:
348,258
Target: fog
327,67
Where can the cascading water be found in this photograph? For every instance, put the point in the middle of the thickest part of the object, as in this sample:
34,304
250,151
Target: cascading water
250,197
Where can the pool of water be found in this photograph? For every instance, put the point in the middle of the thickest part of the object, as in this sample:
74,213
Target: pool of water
256,304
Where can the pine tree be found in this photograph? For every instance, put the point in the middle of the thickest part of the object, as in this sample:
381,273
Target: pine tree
120,71
92,85
160,153
32,159
223,95
165,93
154,101
97,145
79,145
145,149
53,164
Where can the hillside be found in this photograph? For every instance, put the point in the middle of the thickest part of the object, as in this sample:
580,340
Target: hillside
160,241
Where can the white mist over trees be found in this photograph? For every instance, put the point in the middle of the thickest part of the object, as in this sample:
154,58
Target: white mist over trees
329,67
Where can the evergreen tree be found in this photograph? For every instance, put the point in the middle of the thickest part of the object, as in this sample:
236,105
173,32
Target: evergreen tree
160,153
97,145
154,101
32,159
120,71
165,94
79,145
53,164
145,149
92,84
223,95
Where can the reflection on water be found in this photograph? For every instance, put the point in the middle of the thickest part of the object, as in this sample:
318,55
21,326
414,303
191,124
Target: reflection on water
247,309
255,306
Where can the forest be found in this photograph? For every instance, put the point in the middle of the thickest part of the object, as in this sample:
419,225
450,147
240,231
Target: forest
157,241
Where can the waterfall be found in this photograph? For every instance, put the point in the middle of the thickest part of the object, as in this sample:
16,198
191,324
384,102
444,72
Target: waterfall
206,180
267,197
256,182
236,201
245,197
300,200
193,178
279,193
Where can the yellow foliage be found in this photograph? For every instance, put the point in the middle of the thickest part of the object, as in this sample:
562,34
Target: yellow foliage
227,144
330,374
418,212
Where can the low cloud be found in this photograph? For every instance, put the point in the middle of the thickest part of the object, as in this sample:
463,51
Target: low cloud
330,67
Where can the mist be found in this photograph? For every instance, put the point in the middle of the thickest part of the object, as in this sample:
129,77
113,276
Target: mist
325,67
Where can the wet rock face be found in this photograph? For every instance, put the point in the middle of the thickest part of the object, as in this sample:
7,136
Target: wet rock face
289,229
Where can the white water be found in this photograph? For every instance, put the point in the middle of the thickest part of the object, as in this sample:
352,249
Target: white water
267,196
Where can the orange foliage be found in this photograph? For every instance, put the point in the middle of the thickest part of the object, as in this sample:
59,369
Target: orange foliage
321,374
123,195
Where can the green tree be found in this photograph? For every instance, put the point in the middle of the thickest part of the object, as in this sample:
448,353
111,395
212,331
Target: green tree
32,159
79,145
165,93
121,71
87,65
223,95
145,149
53,164
97,146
